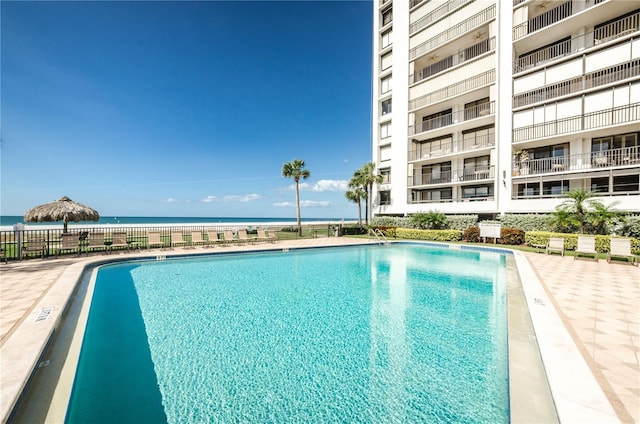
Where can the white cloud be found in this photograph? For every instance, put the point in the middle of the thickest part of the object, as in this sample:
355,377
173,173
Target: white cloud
323,185
244,198
170,200
285,205
209,199
314,204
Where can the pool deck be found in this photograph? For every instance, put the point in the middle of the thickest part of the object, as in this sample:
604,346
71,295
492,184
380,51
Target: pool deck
598,303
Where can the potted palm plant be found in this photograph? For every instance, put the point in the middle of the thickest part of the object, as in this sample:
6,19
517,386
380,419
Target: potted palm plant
521,163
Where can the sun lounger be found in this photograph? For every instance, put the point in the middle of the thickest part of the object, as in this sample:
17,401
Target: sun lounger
68,241
196,239
118,240
243,237
177,238
37,245
95,242
154,238
212,238
621,248
586,247
556,244
229,238
263,236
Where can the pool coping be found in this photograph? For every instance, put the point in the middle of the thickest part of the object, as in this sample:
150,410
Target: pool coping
577,395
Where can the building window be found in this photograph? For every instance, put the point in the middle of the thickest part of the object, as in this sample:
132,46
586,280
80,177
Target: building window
385,130
435,146
436,173
476,168
600,185
386,106
472,192
387,16
385,153
478,108
437,120
386,60
626,183
479,137
386,39
555,188
528,190
384,197
386,175
385,84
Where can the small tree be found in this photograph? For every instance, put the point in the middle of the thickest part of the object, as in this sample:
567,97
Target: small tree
583,212
430,220
356,195
366,178
294,169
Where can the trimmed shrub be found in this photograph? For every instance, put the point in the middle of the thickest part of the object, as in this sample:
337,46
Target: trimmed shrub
630,227
461,222
429,235
389,232
528,222
511,236
471,235
389,221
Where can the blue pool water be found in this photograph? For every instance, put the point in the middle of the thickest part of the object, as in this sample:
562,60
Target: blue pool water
401,333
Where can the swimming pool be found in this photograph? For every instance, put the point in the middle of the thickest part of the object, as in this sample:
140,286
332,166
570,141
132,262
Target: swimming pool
399,333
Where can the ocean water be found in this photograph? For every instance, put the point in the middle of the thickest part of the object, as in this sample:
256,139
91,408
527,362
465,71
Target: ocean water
363,334
10,220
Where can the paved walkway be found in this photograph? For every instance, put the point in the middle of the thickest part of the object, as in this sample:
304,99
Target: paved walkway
598,302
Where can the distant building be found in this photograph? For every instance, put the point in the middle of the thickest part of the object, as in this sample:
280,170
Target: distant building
491,107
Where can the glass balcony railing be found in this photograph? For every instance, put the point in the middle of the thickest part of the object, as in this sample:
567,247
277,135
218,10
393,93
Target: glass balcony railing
612,158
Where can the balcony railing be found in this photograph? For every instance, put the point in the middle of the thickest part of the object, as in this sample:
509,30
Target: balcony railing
471,173
617,29
463,86
474,112
456,146
613,158
414,3
452,200
455,59
602,118
593,79
552,16
465,26
436,14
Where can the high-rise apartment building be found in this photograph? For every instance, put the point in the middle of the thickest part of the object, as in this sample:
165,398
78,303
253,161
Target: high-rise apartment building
501,106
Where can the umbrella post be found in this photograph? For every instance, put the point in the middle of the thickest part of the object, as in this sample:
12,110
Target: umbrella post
64,228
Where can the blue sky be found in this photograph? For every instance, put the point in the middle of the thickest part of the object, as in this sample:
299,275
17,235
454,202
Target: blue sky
184,108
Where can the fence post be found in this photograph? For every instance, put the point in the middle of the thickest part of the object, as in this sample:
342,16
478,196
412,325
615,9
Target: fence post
17,235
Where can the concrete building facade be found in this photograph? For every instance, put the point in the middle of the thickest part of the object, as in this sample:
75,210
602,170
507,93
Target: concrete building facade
490,107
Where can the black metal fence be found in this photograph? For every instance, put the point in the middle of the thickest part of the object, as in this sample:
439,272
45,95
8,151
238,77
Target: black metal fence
18,244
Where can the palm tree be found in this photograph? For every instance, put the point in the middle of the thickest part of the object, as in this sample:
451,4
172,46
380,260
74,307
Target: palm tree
577,205
356,195
294,169
366,177
602,216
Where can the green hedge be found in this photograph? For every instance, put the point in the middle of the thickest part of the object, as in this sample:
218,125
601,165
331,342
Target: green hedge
430,235
571,240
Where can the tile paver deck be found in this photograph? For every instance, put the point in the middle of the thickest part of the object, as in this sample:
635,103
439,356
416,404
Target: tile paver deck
599,304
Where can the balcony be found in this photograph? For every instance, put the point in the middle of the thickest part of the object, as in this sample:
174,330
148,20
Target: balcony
435,15
467,174
455,59
594,79
422,152
464,86
599,119
552,16
476,20
481,110
452,200
620,28
613,158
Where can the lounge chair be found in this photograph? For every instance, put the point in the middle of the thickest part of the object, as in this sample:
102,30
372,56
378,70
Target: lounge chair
118,240
229,238
177,238
621,248
243,237
196,239
68,241
262,235
154,238
556,244
95,242
586,247
212,238
34,245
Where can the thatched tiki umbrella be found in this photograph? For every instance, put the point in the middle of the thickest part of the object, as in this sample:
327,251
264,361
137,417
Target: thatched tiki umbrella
63,209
